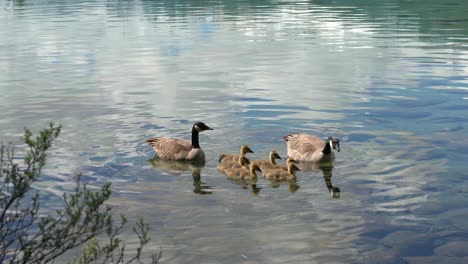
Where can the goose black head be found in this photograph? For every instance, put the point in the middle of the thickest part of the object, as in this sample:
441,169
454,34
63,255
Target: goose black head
200,126
334,143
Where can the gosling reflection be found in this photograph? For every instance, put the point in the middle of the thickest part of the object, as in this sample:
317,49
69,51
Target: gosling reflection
326,169
247,184
179,167
292,185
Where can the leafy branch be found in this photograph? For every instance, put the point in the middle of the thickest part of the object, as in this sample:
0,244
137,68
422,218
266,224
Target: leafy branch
27,237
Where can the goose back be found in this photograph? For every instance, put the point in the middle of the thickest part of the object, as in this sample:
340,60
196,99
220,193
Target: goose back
175,149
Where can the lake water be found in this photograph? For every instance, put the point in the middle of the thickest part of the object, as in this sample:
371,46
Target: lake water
389,78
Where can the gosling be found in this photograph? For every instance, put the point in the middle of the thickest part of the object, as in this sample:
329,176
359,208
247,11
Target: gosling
243,173
289,160
271,162
281,175
244,149
240,163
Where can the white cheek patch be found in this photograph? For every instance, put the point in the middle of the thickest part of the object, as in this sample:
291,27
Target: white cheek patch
198,128
331,144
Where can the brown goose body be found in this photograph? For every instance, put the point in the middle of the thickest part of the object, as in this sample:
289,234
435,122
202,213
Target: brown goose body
180,149
280,174
308,148
243,173
244,149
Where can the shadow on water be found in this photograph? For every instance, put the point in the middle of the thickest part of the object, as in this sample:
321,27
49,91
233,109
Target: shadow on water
178,167
327,172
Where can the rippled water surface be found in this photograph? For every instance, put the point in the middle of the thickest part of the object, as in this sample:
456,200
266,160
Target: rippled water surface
389,78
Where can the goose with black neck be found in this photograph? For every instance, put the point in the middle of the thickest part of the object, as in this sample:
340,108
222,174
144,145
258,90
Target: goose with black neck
180,149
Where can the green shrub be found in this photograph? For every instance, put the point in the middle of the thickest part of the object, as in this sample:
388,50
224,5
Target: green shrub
28,237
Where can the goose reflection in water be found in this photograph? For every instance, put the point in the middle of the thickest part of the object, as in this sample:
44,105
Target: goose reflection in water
200,187
173,167
326,169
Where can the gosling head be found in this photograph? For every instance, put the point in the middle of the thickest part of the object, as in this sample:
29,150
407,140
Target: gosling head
245,149
334,143
221,157
200,127
290,160
292,168
274,155
254,168
243,161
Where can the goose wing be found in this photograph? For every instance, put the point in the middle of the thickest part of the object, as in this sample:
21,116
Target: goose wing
171,149
304,143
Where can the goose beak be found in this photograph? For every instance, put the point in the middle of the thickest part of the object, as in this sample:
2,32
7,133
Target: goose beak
249,150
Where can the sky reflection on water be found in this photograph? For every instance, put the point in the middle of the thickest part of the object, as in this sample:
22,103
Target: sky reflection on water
388,78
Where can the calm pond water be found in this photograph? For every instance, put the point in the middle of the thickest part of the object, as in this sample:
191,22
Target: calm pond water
389,78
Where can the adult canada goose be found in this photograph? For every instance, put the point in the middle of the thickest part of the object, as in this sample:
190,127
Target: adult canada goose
279,174
243,173
304,147
180,149
272,157
244,149
242,162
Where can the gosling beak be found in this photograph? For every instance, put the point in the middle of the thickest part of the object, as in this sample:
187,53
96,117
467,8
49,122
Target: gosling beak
249,150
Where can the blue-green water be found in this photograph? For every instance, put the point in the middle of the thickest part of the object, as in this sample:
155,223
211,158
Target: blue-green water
389,78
